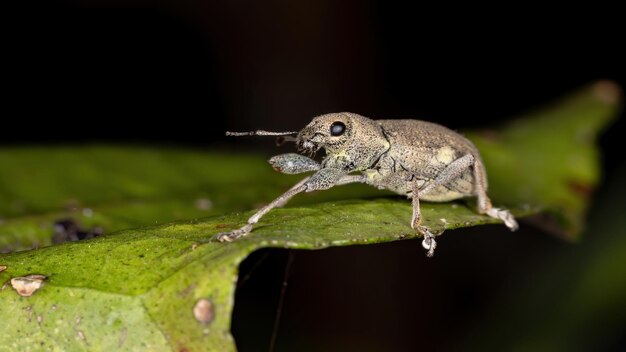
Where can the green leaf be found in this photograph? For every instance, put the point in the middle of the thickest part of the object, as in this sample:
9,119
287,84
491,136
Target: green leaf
570,299
137,288
548,158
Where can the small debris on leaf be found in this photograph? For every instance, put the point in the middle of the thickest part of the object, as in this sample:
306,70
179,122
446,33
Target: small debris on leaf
581,189
184,293
29,309
607,91
122,339
203,204
27,285
36,277
203,311
87,212
66,230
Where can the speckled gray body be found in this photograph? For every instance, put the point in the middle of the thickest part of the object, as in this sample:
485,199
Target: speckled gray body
410,157
421,150
393,153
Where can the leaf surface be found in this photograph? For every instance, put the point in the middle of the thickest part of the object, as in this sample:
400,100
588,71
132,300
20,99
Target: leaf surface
136,286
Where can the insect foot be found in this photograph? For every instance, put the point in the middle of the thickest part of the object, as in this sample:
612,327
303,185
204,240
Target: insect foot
234,234
505,216
428,242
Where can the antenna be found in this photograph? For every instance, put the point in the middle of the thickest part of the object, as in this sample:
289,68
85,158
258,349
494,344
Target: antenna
260,133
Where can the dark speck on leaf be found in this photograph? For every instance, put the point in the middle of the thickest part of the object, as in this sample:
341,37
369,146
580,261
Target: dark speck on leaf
66,230
580,188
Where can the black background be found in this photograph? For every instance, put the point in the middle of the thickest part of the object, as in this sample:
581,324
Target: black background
183,72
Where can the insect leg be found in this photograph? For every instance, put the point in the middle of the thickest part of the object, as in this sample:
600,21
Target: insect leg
484,204
450,173
347,179
428,242
323,179
285,200
278,202
344,180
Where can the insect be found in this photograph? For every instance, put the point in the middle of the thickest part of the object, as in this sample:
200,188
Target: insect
419,159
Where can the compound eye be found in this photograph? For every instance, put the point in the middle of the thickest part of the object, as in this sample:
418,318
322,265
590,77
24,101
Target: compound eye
337,128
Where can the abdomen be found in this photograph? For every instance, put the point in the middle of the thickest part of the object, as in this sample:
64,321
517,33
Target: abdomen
423,150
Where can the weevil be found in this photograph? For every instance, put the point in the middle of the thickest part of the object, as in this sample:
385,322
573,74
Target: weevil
419,159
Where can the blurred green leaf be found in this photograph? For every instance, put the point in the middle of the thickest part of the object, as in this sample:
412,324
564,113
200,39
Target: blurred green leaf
548,157
572,299
137,288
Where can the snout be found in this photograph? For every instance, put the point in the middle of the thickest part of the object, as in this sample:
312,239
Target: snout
306,140
304,137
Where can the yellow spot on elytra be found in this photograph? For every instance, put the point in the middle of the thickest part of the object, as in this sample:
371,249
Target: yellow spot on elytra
445,155
371,174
